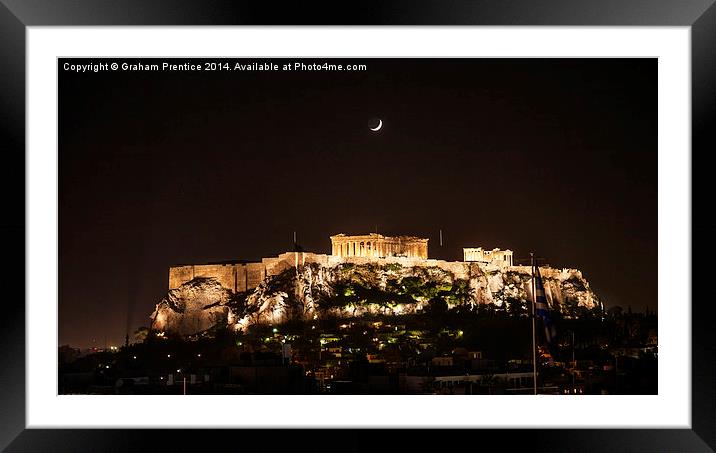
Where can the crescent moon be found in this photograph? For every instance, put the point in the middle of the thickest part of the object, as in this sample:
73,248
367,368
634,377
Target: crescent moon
380,124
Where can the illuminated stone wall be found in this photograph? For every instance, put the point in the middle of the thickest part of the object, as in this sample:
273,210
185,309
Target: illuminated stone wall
178,275
408,251
240,277
376,245
226,274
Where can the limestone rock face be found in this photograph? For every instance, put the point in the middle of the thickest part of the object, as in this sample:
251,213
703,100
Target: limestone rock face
353,289
192,308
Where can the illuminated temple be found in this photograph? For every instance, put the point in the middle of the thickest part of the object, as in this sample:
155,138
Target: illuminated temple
376,245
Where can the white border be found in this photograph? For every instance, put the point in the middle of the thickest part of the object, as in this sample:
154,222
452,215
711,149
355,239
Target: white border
670,408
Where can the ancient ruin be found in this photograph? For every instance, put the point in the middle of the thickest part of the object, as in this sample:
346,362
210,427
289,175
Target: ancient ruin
298,283
376,245
495,256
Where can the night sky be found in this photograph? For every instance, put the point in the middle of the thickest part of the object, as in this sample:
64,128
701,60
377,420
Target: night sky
558,156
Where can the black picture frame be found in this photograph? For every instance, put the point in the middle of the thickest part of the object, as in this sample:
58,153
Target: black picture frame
16,15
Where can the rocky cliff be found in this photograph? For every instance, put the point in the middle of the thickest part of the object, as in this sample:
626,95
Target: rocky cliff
313,290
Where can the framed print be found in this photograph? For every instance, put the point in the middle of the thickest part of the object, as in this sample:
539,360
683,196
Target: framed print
275,220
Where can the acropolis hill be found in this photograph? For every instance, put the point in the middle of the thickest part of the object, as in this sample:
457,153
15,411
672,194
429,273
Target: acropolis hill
407,251
364,274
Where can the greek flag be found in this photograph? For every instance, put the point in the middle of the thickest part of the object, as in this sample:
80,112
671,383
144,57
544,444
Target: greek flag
542,309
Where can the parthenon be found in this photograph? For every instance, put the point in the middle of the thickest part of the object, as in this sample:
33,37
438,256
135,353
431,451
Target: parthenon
378,246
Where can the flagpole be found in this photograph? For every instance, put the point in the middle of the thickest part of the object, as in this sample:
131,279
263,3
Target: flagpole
534,342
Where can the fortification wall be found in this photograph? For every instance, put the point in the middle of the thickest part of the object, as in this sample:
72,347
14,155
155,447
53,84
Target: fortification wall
178,275
255,274
240,277
224,273
244,276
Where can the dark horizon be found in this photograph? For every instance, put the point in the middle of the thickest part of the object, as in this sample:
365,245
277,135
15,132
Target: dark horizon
556,156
